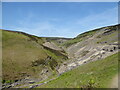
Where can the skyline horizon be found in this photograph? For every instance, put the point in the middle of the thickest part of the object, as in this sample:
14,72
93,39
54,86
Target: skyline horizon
58,36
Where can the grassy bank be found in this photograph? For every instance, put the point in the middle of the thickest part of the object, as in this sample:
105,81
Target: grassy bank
94,74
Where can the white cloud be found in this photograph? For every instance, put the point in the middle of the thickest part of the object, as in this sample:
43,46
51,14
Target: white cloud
106,18
47,29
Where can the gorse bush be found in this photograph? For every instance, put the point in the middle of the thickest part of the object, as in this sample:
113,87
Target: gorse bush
91,84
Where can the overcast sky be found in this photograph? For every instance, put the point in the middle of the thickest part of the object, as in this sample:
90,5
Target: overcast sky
60,19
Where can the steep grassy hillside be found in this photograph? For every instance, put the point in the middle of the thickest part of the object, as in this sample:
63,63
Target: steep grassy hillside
24,55
88,34
94,74
93,45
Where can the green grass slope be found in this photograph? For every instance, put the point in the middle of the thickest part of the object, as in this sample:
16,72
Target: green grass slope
58,40
96,74
88,34
24,55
